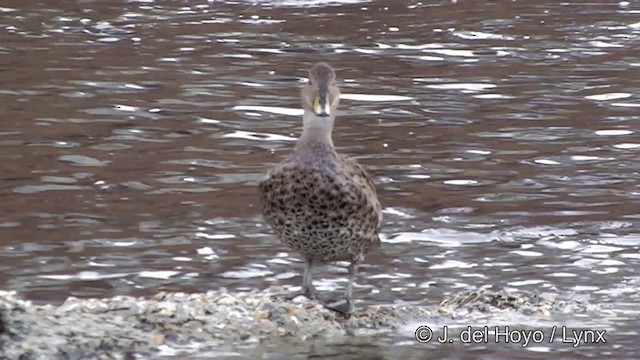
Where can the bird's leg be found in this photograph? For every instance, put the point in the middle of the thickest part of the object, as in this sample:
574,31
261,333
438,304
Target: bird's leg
307,290
353,271
345,305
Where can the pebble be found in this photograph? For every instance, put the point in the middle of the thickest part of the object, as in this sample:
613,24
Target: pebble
116,328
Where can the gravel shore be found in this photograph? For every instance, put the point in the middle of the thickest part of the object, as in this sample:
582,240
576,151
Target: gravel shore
125,327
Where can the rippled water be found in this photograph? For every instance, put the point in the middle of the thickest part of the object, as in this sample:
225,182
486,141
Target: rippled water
502,138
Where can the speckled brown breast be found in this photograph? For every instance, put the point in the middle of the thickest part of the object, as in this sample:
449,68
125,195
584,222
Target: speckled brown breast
325,208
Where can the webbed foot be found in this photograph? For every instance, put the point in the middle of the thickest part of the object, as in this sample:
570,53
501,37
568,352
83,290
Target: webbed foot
342,306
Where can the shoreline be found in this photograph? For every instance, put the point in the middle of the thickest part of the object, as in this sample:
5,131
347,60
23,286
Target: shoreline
123,325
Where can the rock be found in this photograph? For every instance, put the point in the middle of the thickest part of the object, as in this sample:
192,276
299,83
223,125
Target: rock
119,327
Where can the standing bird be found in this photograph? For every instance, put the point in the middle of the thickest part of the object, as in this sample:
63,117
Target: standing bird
319,203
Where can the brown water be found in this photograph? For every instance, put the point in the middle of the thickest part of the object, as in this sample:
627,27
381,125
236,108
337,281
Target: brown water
502,137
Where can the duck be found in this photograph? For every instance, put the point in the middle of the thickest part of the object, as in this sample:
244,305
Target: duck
319,203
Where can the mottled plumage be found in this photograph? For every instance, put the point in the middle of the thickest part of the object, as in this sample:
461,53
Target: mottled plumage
322,204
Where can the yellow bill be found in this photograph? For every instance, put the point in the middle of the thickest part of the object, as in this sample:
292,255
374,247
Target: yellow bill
321,106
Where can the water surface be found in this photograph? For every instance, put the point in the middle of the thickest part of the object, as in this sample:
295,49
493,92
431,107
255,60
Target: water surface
502,139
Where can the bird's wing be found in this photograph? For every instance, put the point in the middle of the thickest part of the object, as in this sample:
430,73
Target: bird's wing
364,183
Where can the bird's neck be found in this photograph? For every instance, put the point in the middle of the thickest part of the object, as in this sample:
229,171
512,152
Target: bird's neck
316,130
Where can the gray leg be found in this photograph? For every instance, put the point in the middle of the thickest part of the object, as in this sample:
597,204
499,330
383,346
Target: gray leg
308,290
353,271
345,305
